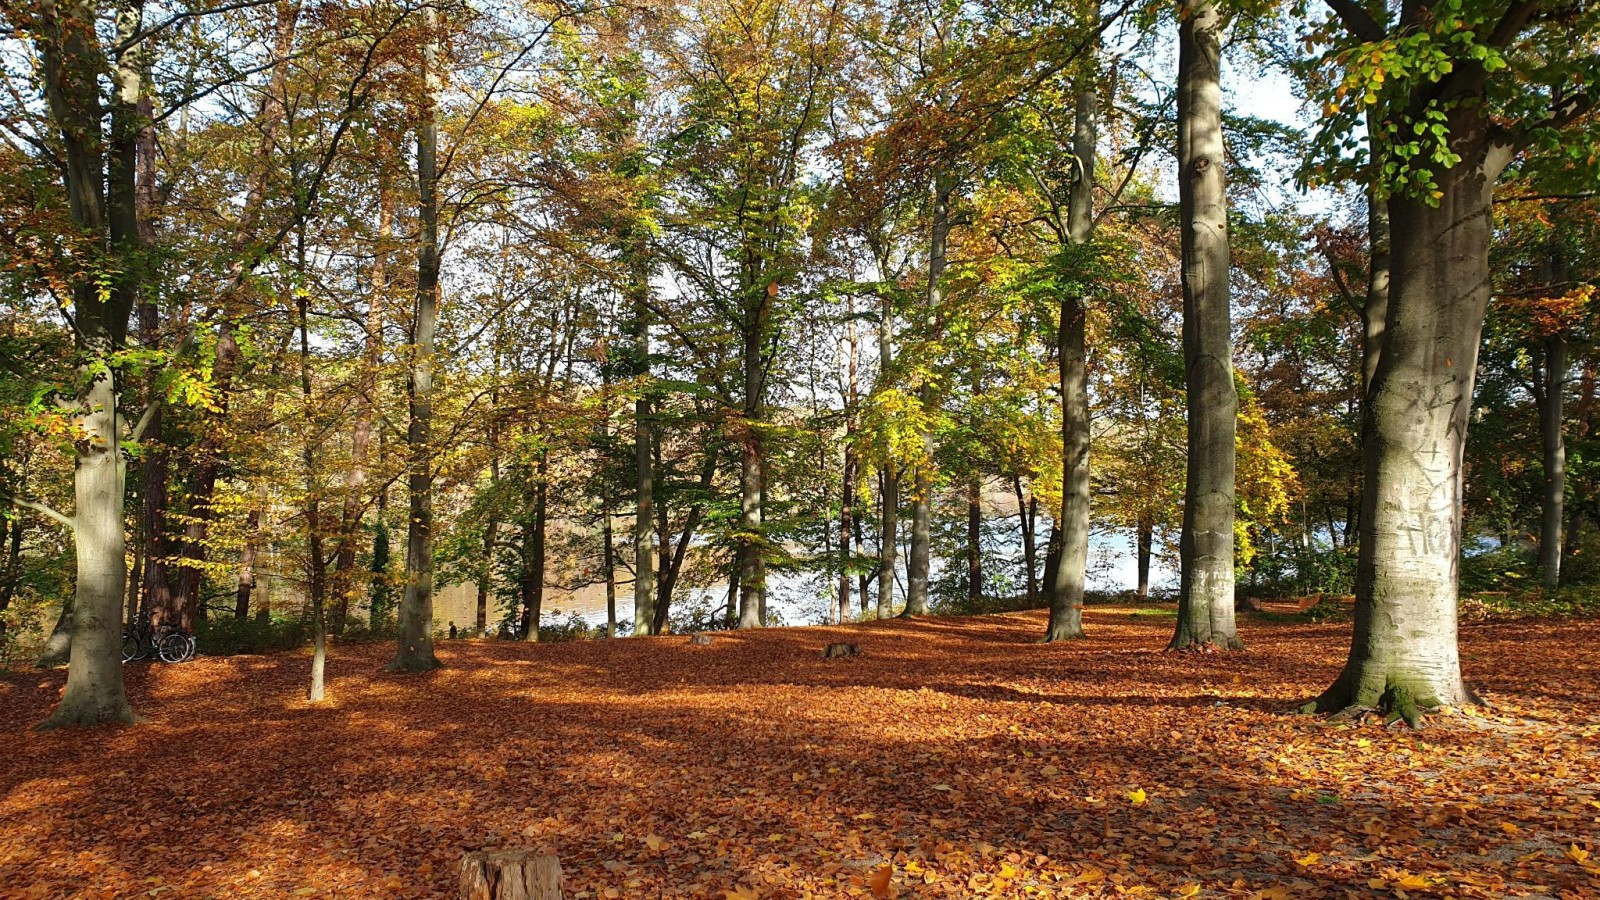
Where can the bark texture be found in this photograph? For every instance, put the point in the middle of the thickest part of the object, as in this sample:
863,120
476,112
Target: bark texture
1403,658
1205,604
414,652
510,875
1066,592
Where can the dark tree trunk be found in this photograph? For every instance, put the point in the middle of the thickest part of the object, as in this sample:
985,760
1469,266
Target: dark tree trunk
1145,534
1052,555
534,533
975,540
1027,516
1205,602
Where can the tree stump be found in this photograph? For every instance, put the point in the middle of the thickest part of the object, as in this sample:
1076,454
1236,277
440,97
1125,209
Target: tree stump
834,650
510,875
700,639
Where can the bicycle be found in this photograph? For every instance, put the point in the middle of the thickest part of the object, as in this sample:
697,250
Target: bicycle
169,643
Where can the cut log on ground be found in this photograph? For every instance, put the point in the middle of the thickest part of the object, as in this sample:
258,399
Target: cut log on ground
700,640
833,650
510,875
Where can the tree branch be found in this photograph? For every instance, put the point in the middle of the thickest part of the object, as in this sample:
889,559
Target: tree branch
43,509
1357,20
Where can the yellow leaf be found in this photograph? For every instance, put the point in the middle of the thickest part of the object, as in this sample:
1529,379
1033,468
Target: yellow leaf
1189,890
1577,854
1137,796
1509,827
1413,882
1363,743
653,841
1310,859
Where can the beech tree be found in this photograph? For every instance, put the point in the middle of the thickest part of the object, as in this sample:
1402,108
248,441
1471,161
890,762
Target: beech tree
1460,91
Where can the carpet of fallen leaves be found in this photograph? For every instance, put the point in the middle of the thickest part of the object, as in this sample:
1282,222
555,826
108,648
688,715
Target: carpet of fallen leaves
954,758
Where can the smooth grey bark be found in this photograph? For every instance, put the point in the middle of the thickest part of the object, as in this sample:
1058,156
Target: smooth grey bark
95,693
414,651
919,561
1403,657
1066,591
1375,312
1205,549
58,646
1549,393
71,61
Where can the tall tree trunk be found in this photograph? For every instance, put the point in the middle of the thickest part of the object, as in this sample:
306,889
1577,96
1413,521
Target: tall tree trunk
846,512
975,540
847,523
1027,517
1551,398
1144,534
888,529
534,533
1052,554
319,566
71,62
673,567
644,516
1066,590
1205,603
414,652
1404,656
751,549
920,560
609,565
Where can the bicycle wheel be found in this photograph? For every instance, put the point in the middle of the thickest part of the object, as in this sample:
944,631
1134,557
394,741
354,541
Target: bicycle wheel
130,646
174,647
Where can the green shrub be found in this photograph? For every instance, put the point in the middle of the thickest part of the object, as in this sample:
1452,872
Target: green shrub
1283,569
227,636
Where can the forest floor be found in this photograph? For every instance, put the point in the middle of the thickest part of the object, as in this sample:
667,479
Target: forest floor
968,759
